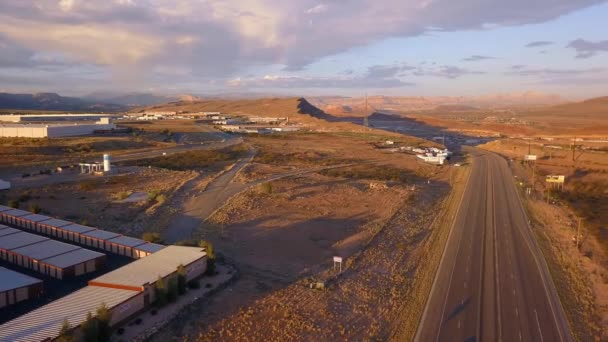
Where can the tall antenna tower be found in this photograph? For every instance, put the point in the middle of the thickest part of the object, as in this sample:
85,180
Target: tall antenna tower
365,118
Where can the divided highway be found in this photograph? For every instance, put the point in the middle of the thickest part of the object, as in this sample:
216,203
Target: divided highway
492,283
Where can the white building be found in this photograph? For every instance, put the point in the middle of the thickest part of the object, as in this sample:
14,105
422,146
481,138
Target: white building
51,131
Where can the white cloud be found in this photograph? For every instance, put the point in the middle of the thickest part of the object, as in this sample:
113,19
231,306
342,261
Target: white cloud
222,38
320,8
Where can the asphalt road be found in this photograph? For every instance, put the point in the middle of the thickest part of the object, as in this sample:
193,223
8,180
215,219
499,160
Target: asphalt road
492,283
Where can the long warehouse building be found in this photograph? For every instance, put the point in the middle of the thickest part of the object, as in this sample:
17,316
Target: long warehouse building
79,234
16,287
43,255
126,292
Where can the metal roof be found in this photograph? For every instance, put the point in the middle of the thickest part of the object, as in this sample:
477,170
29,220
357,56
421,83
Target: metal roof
8,231
19,240
56,223
101,234
36,217
77,228
150,247
4,208
45,249
16,212
46,321
72,258
147,270
127,241
13,280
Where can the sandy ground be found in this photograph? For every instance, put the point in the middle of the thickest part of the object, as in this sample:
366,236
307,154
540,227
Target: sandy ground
95,199
283,235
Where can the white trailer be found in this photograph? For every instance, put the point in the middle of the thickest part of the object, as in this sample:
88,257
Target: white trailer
4,185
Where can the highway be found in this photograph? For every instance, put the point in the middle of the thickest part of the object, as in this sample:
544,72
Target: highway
492,283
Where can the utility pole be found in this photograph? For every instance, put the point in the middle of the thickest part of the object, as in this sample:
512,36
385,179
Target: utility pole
578,233
365,119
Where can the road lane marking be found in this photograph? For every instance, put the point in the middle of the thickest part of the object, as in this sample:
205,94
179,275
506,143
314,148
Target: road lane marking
516,312
538,324
445,248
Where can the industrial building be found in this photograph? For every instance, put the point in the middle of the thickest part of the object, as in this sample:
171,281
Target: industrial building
16,287
79,234
52,130
17,118
125,291
49,257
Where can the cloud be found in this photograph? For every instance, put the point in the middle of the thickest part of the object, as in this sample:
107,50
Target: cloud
378,76
476,58
538,44
446,71
586,49
320,8
550,72
218,39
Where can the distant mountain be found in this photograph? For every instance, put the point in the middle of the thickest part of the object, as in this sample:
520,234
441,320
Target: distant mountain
595,108
356,105
54,102
132,99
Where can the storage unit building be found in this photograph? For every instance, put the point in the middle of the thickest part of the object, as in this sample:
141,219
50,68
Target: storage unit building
12,215
77,233
54,258
125,291
16,287
45,322
141,275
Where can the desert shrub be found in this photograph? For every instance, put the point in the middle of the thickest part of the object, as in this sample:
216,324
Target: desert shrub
160,291
122,195
172,290
87,185
13,204
161,199
152,237
208,285
153,312
266,187
103,317
35,208
181,279
191,159
372,172
138,321
25,175
24,197
120,331
152,194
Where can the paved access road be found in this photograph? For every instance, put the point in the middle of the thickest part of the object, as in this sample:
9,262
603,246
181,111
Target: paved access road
492,283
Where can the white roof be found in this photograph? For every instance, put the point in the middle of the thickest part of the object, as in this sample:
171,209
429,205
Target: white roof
46,321
14,280
147,270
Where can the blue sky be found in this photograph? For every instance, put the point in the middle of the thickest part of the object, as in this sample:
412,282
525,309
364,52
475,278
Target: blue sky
305,47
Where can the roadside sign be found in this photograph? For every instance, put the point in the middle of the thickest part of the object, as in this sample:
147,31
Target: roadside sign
530,157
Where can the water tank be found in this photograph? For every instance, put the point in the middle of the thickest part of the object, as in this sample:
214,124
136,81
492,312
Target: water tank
106,163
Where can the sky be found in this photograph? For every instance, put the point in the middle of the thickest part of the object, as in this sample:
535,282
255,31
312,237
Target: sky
305,47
